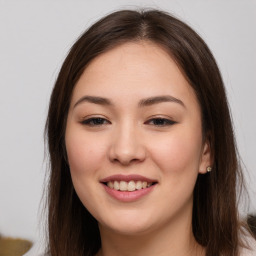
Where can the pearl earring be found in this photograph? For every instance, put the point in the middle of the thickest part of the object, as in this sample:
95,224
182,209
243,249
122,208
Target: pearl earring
209,169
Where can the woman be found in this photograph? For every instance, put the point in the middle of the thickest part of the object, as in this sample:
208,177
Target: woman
143,157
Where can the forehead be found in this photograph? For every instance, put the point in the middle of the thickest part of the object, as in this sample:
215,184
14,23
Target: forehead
134,69
139,58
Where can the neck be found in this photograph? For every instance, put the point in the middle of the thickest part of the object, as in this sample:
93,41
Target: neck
173,239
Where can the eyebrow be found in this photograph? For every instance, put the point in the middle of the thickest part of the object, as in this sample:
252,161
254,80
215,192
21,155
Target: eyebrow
159,99
94,100
142,103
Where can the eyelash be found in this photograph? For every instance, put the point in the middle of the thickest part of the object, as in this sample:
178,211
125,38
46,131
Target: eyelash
99,121
161,122
95,121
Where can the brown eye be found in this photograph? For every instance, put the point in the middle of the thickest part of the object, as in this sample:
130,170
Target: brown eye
95,121
160,122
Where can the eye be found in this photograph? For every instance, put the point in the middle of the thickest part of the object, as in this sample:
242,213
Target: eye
160,122
95,121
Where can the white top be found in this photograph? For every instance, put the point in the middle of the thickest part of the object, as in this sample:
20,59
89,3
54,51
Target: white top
251,242
37,249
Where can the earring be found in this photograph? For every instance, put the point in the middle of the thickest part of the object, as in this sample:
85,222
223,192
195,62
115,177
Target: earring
209,169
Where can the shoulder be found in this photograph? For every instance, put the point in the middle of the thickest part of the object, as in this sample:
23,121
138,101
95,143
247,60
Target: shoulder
250,243
36,250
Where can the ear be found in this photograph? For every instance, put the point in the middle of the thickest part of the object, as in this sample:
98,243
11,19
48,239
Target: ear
206,157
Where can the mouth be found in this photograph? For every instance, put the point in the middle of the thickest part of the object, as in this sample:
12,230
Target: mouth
130,186
128,183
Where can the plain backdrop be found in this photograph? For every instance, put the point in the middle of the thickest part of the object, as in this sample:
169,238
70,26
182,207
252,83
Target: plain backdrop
35,37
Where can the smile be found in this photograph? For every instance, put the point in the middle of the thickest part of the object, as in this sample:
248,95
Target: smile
128,186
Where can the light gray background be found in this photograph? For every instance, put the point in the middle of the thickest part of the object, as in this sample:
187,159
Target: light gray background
35,37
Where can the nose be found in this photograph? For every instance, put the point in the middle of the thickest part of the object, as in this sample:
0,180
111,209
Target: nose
127,146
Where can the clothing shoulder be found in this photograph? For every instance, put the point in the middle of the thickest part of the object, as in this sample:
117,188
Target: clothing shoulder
36,250
250,242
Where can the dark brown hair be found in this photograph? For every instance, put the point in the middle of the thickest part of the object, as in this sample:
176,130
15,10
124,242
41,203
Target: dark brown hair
72,229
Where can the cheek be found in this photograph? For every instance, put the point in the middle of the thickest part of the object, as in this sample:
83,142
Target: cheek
85,153
85,156
179,153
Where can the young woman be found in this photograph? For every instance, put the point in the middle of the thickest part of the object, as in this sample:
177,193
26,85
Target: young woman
142,152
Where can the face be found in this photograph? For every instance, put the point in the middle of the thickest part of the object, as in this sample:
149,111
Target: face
134,140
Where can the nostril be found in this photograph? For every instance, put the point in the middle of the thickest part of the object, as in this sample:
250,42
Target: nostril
126,151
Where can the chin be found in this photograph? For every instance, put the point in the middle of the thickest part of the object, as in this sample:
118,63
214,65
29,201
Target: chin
130,230
129,225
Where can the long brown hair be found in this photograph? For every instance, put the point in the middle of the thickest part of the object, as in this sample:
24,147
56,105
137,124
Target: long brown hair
72,229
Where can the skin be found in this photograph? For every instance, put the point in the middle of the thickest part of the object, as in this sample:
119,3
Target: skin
130,140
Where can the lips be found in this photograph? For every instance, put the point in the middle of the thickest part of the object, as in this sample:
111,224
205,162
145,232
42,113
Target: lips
128,187
120,177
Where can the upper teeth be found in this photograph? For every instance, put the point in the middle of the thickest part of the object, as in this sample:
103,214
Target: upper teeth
128,186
